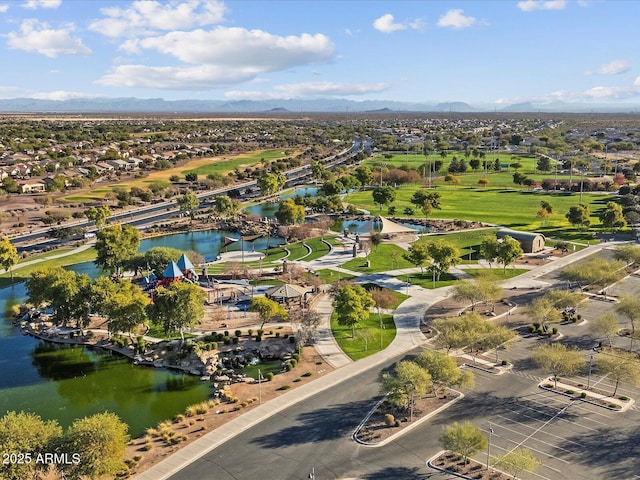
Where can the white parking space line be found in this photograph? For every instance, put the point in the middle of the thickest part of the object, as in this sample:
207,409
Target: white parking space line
564,439
567,421
524,434
498,447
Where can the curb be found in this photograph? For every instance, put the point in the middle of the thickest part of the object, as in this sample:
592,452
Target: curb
576,396
406,429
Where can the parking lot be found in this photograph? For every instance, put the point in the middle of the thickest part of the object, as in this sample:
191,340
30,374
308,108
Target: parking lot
572,439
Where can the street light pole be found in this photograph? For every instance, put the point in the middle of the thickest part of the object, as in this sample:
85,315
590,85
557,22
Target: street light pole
489,446
259,387
589,377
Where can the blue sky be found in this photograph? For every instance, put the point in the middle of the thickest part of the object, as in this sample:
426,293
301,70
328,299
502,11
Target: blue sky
480,52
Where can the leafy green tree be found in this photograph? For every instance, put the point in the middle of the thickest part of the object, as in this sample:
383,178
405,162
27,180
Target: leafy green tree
489,249
597,271
376,239
557,359
25,434
384,195
544,164
564,299
628,253
463,438
519,178
620,367
546,210
629,307
8,255
226,206
364,175
289,213
155,260
177,307
67,292
319,171
352,304
123,302
116,245
189,203
426,201
100,441
270,183
481,289
544,311
509,250
408,381
605,325
417,254
517,461
578,215
444,255
98,215
267,309
443,370
611,217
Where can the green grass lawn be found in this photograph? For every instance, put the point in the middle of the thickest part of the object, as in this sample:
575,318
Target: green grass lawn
497,272
318,249
468,242
297,251
40,256
425,280
367,339
21,274
331,276
511,208
226,166
266,281
400,297
382,260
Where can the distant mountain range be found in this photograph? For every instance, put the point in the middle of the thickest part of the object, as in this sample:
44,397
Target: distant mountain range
159,105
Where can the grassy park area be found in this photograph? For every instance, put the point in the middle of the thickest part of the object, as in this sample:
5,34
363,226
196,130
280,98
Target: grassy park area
386,257
367,339
332,276
224,166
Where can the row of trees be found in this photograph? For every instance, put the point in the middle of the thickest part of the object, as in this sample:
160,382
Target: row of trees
73,297
91,447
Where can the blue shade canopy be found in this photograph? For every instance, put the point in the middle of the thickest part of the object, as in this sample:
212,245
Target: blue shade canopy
184,263
172,271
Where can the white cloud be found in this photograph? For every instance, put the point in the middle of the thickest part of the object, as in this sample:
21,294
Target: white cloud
598,93
613,68
456,19
38,37
241,48
310,89
4,8
178,78
531,5
145,17
62,95
35,4
385,24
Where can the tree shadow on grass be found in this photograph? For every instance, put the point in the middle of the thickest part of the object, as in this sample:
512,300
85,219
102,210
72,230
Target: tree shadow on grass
615,450
330,423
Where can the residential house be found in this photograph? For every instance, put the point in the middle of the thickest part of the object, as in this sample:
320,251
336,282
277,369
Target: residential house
34,186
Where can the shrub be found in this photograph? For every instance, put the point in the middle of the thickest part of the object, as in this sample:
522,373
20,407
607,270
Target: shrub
570,392
260,332
238,333
398,422
277,334
614,405
296,356
554,330
293,362
307,374
226,340
235,340
285,387
292,339
296,380
226,333
389,419
179,418
623,398
505,362
583,395
148,446
250,331
258,338
288,367
269,376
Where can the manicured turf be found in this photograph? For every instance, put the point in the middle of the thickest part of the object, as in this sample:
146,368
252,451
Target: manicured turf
318,249
357,348
332,277
511,208
267,281
297,251
425,280
468,242
497,272
21,274
400,297
226,166
381,260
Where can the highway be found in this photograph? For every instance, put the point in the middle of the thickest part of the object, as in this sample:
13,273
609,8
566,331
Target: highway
163,210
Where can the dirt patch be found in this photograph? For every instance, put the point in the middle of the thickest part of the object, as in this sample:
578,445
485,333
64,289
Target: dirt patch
454,463
168,437
389,420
